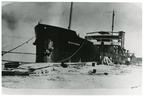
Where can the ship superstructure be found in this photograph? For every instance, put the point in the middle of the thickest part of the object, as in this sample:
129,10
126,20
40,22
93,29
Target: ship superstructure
110,44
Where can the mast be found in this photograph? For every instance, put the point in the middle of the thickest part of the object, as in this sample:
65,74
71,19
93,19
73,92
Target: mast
69,27
112,25
113,21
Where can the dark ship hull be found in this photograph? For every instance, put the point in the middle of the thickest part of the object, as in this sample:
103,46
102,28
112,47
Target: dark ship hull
55,44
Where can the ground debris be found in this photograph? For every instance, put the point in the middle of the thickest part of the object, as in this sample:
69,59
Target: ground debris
92,72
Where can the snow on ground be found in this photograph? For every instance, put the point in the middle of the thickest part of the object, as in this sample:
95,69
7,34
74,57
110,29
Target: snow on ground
78,77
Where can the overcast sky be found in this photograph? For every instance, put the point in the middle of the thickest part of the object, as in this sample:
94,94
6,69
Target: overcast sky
19,20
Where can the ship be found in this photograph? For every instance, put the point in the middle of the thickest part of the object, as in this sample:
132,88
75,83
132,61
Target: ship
56,44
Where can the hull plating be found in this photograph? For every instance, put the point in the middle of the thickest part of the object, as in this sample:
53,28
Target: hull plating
54,44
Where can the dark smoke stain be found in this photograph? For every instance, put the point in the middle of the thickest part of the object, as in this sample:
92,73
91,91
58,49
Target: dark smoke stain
10,19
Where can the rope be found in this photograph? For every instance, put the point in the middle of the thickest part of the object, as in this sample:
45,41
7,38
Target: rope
74,52
17,46
20,53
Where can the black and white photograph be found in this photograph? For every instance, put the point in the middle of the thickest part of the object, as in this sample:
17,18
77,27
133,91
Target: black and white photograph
71,45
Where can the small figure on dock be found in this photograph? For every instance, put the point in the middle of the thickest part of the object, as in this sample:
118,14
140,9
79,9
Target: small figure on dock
128,61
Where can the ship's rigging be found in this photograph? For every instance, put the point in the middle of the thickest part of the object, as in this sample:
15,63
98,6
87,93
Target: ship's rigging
69,28
5,52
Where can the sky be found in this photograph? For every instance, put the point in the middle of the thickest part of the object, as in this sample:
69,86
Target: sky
20,18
